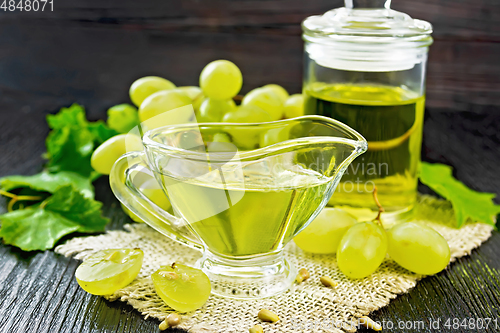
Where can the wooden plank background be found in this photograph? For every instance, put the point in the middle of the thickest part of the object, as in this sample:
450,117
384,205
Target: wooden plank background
90,51
94,49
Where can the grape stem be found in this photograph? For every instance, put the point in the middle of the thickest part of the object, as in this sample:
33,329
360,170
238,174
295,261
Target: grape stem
238,98
380,208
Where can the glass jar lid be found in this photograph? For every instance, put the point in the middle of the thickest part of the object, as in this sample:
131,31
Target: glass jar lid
368,30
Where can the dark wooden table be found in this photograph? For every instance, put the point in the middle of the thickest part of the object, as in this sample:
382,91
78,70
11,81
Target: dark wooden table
90,51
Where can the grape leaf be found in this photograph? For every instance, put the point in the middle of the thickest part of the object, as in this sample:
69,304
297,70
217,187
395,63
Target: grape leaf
49,182
75,207
69,177
33,228
101,131
467,203
73,139
40,227
72,116
70,143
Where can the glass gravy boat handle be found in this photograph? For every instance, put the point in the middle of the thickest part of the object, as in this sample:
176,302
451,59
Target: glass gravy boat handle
130,196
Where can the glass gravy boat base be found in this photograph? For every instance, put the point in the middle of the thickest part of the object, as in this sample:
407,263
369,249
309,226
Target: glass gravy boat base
253,278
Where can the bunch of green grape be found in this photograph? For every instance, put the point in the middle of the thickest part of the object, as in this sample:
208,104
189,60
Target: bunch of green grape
214,100
361,247
181,287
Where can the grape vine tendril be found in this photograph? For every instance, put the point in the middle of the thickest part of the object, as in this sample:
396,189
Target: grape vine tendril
15,198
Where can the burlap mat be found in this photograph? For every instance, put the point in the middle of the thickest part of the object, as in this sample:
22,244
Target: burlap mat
306,307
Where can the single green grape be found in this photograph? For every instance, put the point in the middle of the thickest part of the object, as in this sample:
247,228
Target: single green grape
131,214
123,117
324,233
221,137
183,92
197,103
246,114
418,248
158,106
221,79
294,106
221,142
192,92
181,287
267,100
153,192
107,271
109,151
362,249
190,140
146,86
274,135
279,91
212,110
246,138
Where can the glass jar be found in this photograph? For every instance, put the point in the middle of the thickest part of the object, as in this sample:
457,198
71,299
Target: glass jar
365,66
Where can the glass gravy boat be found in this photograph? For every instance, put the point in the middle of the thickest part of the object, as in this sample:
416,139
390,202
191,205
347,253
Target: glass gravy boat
239,192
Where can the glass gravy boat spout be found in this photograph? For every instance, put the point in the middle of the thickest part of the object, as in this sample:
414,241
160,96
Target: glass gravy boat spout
239,192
